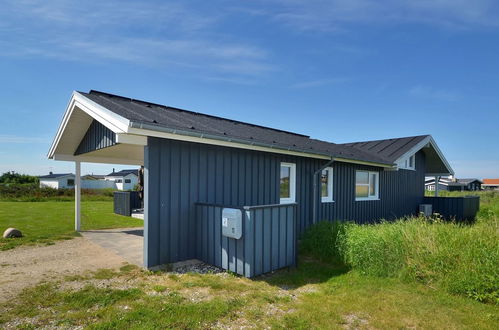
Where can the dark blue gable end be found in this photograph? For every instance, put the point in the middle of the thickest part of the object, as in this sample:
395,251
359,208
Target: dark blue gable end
97,137
179,174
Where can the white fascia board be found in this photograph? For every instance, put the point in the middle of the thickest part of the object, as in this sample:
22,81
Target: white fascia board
93,159
114,122
139,140
421,145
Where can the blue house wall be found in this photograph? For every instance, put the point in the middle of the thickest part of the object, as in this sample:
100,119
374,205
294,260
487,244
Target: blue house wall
178,174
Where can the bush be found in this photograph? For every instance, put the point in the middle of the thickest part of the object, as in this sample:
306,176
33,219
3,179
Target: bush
16,178
462,259
33,193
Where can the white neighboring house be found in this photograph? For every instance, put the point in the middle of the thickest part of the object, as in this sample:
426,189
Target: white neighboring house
57,181
124,179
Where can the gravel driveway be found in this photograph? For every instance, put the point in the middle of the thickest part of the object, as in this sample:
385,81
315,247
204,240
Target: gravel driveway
29,265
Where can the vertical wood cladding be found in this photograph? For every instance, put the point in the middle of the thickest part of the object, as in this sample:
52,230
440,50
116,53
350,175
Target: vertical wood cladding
268,241
97,137
183,173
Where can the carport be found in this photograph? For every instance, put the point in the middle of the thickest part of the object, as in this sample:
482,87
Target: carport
89,133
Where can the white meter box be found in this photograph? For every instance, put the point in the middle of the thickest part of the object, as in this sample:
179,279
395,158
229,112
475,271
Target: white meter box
232,223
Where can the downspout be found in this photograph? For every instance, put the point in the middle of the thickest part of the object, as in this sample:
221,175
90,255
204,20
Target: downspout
315,178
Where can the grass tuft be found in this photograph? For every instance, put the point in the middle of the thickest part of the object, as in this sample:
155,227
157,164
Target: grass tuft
462,259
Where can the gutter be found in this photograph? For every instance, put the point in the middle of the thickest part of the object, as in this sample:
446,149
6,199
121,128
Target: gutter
140,125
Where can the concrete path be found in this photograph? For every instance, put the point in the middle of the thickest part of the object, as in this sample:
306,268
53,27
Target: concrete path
128,243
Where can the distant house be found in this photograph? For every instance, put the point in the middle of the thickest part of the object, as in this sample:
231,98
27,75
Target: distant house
453,184
57,181
490,184
124,179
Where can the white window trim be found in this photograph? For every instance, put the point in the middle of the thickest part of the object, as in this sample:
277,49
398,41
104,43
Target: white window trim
376,187
329,197
404,164
292,183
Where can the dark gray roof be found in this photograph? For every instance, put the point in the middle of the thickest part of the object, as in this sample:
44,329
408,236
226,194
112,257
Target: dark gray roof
173,118
466,181
124,173
54,175
389,149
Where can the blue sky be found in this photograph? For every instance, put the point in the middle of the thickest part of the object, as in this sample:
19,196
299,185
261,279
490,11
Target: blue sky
339,70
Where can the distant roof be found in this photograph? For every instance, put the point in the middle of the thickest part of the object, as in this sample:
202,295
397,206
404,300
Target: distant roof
389,149
54,175
491,181
124,173
94,176
157,115
469,180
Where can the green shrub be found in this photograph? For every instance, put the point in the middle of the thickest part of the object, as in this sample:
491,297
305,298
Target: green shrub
462,259
33,193
321,241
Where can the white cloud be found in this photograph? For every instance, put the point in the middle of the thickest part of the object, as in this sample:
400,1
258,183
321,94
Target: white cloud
338,15
432,93
159,34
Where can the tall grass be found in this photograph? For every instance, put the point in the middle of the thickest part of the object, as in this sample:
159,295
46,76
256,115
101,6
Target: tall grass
462,259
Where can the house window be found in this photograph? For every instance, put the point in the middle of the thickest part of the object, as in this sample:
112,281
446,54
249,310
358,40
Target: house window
71,182
409,163
287,183
128,181
366,185
327,185
412,162
119,181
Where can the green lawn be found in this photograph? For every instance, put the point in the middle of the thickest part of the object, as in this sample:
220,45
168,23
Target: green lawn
45,222
316,295
313,296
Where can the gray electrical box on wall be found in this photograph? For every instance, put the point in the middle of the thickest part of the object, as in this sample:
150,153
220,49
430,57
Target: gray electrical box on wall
232,223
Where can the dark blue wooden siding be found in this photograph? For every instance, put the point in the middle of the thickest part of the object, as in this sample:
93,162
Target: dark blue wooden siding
455,208
97,137
268,242
183,173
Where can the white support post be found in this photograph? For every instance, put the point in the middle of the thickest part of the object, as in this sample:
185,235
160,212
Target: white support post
437,179
77,195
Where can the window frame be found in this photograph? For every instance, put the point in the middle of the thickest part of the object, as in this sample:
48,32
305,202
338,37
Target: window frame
407,163
70,182
376,186
330,176
128,180
292,184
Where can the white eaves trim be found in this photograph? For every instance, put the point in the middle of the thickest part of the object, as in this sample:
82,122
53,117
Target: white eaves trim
421,145
114,122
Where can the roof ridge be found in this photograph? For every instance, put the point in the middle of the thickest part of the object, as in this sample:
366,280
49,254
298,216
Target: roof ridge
92,91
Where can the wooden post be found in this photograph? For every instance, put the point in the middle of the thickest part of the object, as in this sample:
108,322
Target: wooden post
77,195
437,179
